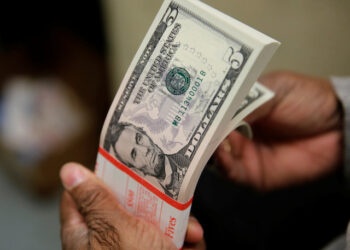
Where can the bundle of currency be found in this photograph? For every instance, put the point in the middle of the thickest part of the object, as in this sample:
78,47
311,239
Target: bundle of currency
189,85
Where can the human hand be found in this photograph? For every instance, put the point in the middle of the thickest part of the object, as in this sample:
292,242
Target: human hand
92,218
297,135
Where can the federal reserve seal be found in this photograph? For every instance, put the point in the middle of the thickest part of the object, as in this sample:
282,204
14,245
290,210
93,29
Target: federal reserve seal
178,81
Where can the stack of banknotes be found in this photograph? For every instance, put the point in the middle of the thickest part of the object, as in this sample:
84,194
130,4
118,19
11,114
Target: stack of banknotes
192,82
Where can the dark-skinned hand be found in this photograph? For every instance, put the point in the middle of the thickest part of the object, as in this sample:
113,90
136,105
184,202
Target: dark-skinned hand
297,135
92,218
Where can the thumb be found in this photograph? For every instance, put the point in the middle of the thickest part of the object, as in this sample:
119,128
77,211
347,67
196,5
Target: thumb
90,195
109,224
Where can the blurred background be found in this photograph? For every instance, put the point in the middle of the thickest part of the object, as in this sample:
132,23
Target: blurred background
60,65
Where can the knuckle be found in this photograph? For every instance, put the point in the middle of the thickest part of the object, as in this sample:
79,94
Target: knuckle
93,203
90,198
281,76
103,234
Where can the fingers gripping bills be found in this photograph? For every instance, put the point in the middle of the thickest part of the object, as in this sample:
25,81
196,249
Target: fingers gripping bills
185,83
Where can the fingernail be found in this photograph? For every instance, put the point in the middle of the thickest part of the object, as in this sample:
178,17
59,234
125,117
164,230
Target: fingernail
226,146
195,228
72,175
194,224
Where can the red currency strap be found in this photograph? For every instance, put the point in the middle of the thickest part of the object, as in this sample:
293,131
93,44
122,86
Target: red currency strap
143,182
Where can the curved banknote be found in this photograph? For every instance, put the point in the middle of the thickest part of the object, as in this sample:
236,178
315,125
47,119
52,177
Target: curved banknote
258,95
190,74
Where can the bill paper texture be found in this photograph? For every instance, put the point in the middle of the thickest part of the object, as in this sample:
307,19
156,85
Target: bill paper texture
191,73
258,95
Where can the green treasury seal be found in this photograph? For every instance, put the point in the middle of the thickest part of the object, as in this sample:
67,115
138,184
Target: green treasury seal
178,81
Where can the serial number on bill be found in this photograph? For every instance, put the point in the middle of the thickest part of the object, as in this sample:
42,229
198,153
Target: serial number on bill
190,96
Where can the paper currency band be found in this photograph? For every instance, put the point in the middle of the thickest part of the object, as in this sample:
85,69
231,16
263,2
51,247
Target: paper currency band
143,182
